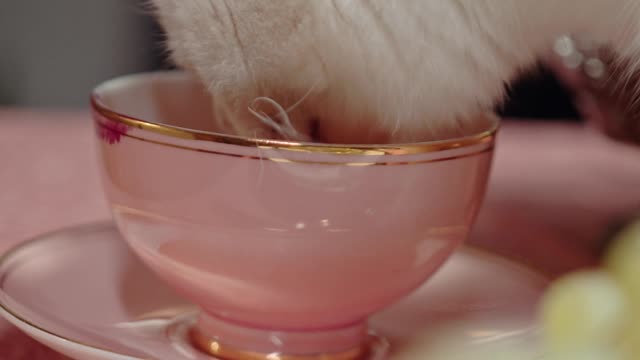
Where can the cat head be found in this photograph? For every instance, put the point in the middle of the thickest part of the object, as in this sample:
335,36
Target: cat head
369,70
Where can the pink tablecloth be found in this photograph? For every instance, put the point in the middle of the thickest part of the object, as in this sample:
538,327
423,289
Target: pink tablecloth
554,191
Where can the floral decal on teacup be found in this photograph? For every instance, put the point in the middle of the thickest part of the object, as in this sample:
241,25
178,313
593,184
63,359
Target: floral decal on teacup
111,132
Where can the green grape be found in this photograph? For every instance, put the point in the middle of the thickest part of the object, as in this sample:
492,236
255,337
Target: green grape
583,310
623,260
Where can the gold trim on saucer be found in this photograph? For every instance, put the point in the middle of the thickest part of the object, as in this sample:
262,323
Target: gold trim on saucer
102,225
54,236
337,149
216,349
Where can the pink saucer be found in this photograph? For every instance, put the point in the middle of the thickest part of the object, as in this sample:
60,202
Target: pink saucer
82,292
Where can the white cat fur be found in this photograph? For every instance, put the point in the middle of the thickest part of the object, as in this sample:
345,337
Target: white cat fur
375,70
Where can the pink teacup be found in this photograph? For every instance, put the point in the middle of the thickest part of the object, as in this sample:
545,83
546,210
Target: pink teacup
286,247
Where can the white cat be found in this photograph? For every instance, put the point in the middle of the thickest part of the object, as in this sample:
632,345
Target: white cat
359,71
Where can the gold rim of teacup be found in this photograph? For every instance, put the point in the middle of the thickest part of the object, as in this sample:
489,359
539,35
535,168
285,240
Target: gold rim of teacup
335,149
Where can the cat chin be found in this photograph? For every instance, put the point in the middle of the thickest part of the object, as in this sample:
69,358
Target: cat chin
372,71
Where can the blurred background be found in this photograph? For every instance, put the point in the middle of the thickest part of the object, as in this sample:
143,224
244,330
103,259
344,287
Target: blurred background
52,53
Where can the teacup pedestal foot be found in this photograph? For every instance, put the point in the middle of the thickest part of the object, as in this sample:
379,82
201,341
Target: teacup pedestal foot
224,340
